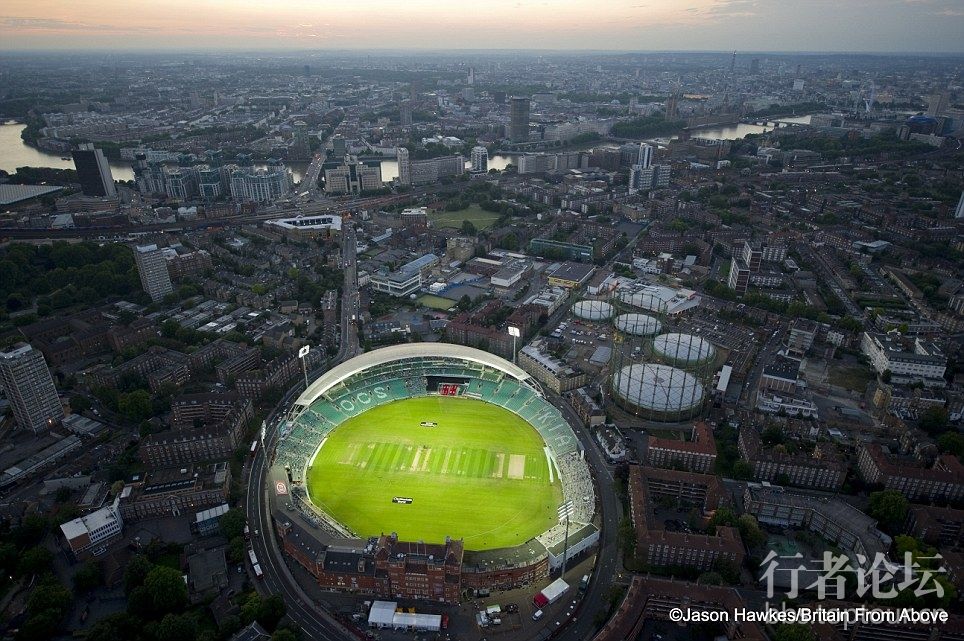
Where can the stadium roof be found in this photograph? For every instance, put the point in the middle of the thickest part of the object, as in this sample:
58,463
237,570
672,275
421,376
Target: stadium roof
398,352
10,194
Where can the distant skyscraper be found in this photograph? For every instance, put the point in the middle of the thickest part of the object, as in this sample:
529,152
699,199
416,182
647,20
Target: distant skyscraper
30,388
733,62
755,65
937,103
152,268
404,166
471,78
93,172
519,120
405,113
645,156
300,135
959,212
480,159
339,147
672,105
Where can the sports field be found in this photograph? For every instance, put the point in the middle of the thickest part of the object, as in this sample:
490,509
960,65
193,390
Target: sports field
479,473
479,217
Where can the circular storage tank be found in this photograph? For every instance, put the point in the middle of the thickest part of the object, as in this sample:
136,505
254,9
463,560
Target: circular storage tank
659,391
593,310
684,349
638,324
644,300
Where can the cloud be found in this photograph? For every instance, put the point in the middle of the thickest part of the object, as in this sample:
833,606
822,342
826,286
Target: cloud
53,25
734,8
43,24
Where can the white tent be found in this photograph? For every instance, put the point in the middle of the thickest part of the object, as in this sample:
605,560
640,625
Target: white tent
382,614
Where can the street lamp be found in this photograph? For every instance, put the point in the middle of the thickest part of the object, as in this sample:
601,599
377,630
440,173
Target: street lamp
302,353
565,511
515,333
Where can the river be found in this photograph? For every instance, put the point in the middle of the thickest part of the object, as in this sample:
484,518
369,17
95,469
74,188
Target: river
14,152
741,130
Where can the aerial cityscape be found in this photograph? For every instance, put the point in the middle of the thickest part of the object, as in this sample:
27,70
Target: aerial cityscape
616,321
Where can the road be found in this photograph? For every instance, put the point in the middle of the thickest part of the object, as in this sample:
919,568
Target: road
766,355
308,186
350,301
302,610
608,562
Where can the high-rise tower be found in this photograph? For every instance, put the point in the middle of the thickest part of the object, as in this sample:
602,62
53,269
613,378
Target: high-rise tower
519,120
404,166
480,159
93,172
152,267
30,388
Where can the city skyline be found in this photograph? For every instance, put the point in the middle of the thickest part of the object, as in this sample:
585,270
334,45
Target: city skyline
885,26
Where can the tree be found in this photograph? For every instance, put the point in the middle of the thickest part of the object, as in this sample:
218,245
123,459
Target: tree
232,523
284,634
951,443
175,627
236,550
793,632
36,560
468,228
136,406
750,531
79,403
728,570
710,578
46,610
889,507
115,627
742,471
88,577
163,591
250,608
934,419
271,611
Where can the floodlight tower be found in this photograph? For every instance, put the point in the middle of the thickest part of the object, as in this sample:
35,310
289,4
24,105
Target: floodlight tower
565,511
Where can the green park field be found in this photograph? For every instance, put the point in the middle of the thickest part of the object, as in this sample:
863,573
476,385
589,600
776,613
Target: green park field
479,474
436,302
479,217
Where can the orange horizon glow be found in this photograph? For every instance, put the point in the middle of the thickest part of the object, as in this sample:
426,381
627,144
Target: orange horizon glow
774,25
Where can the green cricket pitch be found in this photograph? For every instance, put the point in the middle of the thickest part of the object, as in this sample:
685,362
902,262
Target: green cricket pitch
479,474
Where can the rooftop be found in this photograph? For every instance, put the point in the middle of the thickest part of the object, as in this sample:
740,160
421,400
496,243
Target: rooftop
10,194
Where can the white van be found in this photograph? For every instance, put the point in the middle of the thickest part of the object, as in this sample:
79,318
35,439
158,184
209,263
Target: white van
537,615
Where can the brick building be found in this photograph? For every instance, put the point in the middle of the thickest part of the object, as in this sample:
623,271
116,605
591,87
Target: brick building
175,490
158,365
820,469
944,480
658,547
698,454
382,566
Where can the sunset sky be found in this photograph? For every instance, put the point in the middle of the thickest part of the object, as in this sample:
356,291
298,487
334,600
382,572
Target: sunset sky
745,25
